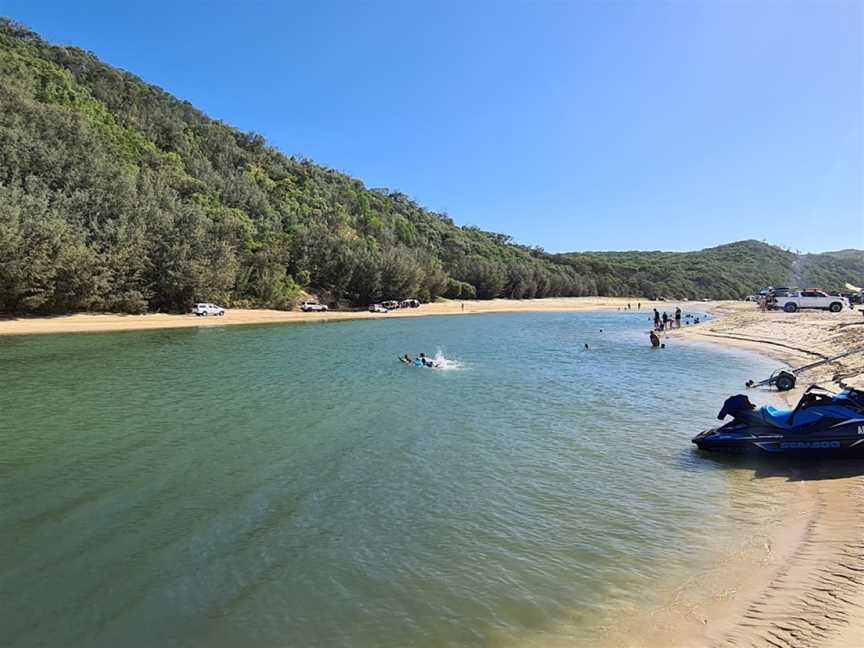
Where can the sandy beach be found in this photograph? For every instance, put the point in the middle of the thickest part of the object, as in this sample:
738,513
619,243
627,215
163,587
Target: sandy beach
105,322
799,582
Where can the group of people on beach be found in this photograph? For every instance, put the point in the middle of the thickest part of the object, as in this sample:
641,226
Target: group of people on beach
420,361
664,322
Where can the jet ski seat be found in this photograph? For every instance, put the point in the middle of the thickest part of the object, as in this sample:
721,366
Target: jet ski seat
780,418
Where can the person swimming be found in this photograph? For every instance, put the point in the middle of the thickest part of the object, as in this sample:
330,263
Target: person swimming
405,359
426,362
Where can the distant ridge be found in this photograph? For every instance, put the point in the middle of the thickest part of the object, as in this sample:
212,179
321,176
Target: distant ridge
114,195
726,271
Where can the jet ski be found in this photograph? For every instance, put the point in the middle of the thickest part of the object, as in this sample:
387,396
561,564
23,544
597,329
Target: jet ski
823,424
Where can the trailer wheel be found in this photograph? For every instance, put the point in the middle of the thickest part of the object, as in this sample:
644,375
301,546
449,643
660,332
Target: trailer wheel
790,307
835,307
785,381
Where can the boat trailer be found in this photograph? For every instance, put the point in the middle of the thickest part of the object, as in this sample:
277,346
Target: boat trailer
784,379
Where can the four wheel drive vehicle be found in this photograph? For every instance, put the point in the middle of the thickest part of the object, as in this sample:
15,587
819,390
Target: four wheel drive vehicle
797,300
377,308
410,303
390,305
313,307
207,309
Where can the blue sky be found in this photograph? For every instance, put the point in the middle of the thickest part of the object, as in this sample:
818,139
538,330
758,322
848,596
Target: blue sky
570,125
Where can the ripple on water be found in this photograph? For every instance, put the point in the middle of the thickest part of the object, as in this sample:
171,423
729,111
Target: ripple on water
263,483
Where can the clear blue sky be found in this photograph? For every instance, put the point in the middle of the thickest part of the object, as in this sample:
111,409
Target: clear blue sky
571,125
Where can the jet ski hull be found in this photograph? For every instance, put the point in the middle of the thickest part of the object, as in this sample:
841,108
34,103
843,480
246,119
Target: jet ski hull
820,426
846,441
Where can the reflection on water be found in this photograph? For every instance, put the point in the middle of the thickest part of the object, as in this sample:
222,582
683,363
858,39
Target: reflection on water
297,485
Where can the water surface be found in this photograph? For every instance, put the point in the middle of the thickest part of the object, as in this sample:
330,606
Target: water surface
297,486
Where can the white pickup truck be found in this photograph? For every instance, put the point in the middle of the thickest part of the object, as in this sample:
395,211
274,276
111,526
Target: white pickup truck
796,300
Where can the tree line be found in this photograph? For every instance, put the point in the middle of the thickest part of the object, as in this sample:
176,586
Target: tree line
114,195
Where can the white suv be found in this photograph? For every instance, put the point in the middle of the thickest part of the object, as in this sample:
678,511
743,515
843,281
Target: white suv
793,301
313,307
207,309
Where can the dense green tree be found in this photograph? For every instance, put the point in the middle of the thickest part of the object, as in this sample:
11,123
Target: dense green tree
114,195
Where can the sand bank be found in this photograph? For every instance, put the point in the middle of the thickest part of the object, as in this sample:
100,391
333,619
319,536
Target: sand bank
794,338
800,580
105,322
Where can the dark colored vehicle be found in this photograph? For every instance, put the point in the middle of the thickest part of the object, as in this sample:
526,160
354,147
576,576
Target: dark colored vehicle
823,424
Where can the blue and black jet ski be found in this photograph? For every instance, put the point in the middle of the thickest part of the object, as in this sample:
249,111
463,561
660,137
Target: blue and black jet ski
822,424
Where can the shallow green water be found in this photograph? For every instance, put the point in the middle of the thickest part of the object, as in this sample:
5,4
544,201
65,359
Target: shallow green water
296,486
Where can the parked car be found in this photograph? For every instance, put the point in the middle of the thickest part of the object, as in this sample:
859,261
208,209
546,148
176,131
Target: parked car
207,309
796,300
310,306
410,303
377,308
391,304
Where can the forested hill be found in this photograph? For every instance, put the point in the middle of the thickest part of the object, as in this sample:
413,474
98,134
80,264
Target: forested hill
727,271
116,196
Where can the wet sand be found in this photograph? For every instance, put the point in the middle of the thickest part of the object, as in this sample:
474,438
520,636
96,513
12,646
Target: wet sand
800,581
793,573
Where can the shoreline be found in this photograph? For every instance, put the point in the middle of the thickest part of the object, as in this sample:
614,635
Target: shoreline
109,322
807,584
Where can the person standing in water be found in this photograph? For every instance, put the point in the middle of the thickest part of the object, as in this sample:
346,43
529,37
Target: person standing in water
656,320
677,317
665,321
655,341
